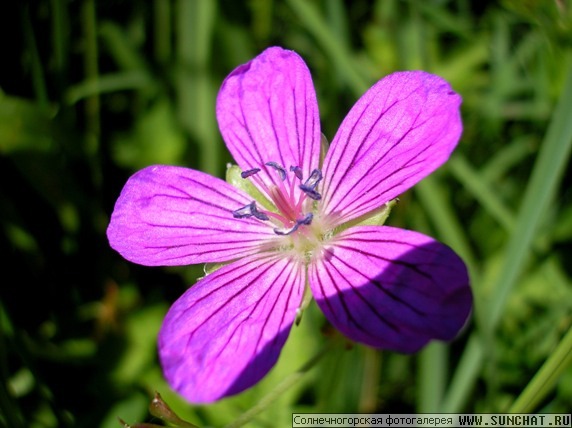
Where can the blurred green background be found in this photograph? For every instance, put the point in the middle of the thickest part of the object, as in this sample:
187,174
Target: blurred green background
91,91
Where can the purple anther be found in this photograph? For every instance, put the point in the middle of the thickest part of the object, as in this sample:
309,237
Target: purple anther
249,210
259,215
249,173
304,221
279,168
309,186
307,220
297,171
245,211
311,193
313,180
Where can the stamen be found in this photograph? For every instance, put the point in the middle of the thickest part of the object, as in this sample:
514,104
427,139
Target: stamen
279,168
259,215
312,194
249,173
289,203
245,211
297,171
307,220
249,210
309,186
314,179
304,221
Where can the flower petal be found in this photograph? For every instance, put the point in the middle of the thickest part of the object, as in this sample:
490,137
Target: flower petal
226,332
267,112
400,130
391,288
169,215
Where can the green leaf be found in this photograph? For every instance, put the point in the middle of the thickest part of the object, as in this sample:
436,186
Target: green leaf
156,139
24,125
142,328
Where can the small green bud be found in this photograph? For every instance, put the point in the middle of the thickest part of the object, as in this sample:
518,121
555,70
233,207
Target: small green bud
161,410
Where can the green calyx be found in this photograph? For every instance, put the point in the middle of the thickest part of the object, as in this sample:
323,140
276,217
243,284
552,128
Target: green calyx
373,218
234,178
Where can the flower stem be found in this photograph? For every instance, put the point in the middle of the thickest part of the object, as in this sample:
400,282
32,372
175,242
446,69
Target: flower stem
282,387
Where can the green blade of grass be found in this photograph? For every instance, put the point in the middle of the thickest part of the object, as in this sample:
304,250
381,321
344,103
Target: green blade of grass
60,42
432,195
547,172
163,31
546,175
506,158
37,67
113,82
330,42
432,377
195,90
125,53
92,104
481,191
546,378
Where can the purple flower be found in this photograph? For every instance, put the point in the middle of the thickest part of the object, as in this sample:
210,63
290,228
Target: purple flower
298,218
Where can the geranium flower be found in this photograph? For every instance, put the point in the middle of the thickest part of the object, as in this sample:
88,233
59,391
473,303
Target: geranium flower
299,219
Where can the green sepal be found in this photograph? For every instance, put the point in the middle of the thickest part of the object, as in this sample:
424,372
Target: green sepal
234,178
211,267
376,217
373,218
324,146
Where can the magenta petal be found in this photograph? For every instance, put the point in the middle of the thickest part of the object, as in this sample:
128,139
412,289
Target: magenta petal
169,215
226,332
391,288
267,112
400,130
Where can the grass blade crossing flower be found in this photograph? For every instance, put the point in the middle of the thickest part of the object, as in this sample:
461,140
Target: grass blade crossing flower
304,223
